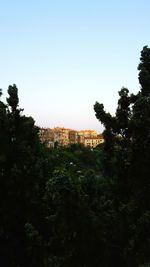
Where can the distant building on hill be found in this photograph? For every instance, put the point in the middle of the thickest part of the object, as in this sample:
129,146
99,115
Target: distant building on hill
64,137
88,133
61,135
47,136
73,137
93,141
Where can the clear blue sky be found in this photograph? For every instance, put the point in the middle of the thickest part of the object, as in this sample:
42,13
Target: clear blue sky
66,54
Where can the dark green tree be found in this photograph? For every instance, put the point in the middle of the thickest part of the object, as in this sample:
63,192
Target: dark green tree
126,161
80,218
23,171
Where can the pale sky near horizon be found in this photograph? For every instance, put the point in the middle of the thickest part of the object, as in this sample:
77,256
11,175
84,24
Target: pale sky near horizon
66,55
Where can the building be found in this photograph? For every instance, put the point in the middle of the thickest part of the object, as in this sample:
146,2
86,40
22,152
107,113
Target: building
93,141
88,133
47,136
61,135
73,137
65,136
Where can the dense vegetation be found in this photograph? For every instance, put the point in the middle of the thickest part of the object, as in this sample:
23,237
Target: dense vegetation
76,207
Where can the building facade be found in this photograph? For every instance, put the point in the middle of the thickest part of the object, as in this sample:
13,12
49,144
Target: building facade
64,137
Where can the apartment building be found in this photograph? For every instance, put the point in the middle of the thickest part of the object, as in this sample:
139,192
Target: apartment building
93,141
61,135
73,137
88,133
65,136
47,136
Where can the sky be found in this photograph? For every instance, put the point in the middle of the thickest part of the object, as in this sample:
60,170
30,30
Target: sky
64,55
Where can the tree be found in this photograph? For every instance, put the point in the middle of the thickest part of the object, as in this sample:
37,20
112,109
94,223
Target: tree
126,160
80,219
23,171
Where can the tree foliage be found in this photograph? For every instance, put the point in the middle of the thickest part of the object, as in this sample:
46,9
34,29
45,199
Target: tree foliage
22,172
126,160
